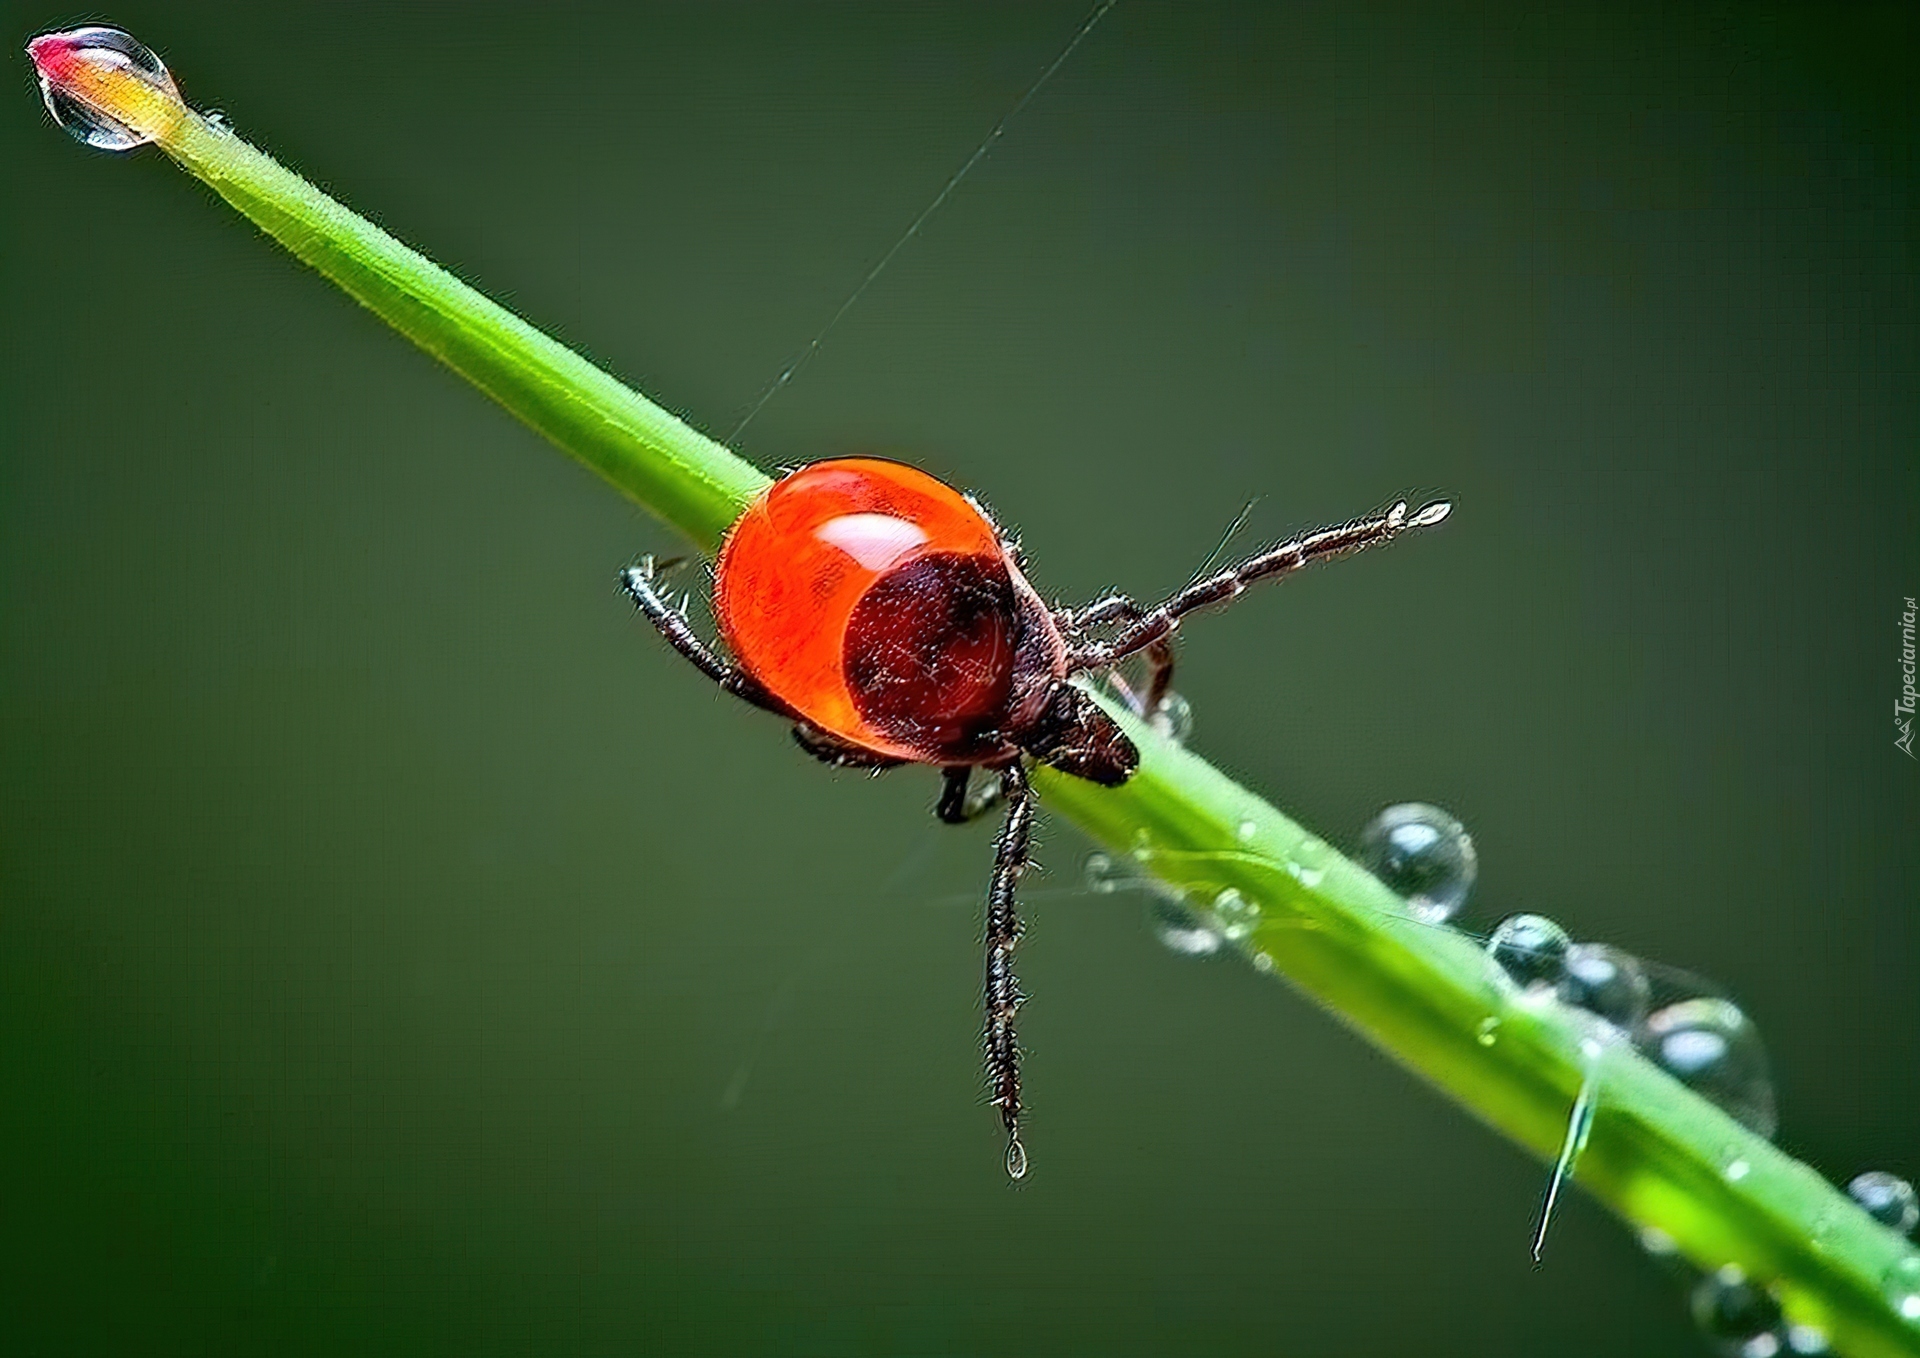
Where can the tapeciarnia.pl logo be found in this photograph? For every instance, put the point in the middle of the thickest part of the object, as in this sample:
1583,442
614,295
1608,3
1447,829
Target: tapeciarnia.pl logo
1903,705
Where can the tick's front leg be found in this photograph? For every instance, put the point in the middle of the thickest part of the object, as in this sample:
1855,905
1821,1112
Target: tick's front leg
672,624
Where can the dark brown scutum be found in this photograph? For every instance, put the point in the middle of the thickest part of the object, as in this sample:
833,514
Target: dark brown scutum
929,652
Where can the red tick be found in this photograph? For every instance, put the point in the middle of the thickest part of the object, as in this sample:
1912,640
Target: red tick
884,614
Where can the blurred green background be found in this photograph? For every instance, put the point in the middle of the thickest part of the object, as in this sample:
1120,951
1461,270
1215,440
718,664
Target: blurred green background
400,951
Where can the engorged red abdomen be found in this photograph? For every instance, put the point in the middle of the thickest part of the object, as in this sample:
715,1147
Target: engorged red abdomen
877,603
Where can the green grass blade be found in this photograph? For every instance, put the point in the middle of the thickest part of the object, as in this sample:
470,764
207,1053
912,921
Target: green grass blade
652,456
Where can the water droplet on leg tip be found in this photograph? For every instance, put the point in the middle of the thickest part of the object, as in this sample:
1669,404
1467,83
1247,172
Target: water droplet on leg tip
1016,1159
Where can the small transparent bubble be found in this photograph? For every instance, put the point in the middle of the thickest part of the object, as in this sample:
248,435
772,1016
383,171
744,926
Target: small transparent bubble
1308,877
1263,962
1669,985
1306,862
1738,1317
1103,876
1532,949
1173,923
1245,831
1820,1233
1806,1339
1182,931
1606,982
1903,1288
1487,1031
1711,1047
103,49
1424,855
1016,1160
1657,1242
1738,1168
1237,915
1664,1251
1888,1199
1173,718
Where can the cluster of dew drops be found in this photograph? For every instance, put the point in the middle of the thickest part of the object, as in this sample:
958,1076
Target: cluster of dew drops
1681,1023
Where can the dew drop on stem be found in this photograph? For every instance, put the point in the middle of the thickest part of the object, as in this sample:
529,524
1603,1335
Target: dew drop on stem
1806,1340
1902,1285
1886,1198
1424,855
1236,914
1531,949
1711,1047
1183,931
1173,719
1177,926
1737,1316
1103,876
1607,982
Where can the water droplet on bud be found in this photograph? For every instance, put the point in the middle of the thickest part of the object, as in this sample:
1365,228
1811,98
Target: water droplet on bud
70,64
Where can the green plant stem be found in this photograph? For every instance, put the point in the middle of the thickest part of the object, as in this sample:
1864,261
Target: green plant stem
1661,1157
657,459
